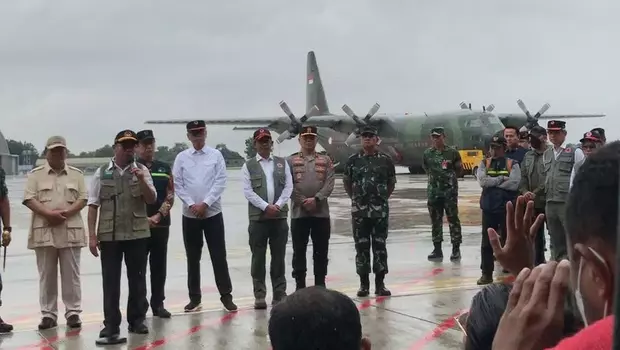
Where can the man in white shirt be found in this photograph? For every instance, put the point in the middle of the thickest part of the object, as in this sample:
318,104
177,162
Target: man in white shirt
267,185
591,140
199,175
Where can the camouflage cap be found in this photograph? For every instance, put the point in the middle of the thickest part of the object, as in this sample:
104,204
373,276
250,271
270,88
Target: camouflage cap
368,130
438,131
498,140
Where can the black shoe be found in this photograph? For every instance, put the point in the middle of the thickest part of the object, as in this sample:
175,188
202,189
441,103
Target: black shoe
161,312
227,301
73,321
380,289
437,254
138,328
47,323
260,304
300,283
108,332
486,278
456,253
319,281
5,327
193,306
364,286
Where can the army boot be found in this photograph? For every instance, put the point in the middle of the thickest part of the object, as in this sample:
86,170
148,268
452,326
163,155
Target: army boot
456,252
380,289
364,286
319,281
300,283
486,278
437,254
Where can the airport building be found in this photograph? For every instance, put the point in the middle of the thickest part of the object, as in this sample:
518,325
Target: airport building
8,161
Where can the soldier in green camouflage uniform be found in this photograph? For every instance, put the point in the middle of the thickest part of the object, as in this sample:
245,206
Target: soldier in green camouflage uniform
443,165
5,215
369,179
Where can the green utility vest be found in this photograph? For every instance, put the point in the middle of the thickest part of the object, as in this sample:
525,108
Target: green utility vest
557,174
259,185
122,213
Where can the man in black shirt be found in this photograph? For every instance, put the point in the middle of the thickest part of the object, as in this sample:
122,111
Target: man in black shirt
514,150
159,219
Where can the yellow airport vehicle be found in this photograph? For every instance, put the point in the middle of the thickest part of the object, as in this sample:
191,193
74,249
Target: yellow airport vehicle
471,158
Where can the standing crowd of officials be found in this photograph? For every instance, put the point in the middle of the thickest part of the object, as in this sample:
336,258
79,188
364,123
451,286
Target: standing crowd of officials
129,202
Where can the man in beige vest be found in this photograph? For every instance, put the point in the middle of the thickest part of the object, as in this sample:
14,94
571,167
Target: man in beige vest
118,194
56,194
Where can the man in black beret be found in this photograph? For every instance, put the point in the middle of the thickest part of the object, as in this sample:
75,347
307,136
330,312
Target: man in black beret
159,219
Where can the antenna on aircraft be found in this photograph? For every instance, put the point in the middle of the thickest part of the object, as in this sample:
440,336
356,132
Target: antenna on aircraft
532,121
470,106
359,122
296,125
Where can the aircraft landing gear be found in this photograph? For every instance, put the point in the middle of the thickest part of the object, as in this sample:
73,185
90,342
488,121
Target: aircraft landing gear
416,170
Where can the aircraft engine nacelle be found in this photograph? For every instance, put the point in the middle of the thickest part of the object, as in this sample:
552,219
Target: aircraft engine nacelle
296,125
359,122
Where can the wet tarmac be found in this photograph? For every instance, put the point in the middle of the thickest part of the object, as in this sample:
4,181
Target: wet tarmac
419,315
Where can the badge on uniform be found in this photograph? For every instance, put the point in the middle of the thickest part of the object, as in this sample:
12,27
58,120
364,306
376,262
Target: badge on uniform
280,165
444,164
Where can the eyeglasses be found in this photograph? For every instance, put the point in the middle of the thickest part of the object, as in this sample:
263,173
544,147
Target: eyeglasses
461,321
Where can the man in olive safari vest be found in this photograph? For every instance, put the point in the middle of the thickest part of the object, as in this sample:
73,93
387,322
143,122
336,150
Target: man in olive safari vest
558,164
313,175
267,185
56,194
119,193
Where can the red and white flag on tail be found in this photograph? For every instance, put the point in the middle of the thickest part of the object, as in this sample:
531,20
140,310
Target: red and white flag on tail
310,78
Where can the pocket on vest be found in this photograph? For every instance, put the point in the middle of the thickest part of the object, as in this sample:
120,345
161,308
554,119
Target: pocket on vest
140,222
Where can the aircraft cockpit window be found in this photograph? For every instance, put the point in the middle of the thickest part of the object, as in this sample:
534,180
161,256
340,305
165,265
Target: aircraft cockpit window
474,123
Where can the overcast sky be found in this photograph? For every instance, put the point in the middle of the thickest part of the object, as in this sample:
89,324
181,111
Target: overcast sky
87,69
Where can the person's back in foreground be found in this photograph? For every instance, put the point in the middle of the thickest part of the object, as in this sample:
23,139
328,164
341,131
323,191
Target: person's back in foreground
316,318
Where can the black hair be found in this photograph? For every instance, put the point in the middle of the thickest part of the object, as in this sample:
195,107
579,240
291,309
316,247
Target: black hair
487,309
315,318
513,128
592,208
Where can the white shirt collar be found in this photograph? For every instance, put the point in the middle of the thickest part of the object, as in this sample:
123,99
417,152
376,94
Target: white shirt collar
259,158
202,150
112,164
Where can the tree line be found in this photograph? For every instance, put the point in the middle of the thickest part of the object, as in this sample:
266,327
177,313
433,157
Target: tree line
28,153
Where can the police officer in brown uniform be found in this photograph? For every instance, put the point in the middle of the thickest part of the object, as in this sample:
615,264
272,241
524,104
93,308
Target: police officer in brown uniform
313,177
118,194
56,194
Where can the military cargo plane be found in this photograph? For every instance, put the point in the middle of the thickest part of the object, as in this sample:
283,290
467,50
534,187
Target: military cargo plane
404,136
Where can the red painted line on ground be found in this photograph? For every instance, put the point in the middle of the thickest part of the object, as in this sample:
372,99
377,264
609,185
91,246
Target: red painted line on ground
46,343
380,299
436,332
159,342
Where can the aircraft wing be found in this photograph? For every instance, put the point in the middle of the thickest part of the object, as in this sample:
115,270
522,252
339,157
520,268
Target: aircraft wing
551,116
341,123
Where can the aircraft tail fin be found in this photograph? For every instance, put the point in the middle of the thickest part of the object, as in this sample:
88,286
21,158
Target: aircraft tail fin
315,94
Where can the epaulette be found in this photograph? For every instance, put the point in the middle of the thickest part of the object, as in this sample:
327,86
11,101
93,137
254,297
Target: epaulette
76,169
40,167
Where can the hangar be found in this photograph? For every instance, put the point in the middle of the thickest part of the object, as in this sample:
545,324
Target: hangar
7,161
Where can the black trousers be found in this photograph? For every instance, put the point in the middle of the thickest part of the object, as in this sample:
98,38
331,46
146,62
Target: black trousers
158,260
539,257
319,229
213,230
112,253
497,221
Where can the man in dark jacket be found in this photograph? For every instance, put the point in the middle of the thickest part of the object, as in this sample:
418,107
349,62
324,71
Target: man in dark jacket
514,149
159,219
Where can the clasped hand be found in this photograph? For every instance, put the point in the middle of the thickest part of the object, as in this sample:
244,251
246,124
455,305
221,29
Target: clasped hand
200,210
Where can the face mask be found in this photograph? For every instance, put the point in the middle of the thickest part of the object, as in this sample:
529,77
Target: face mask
579,297
535,142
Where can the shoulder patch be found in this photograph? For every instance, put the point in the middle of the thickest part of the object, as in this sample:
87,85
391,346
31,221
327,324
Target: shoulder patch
568,149
75,169
40,167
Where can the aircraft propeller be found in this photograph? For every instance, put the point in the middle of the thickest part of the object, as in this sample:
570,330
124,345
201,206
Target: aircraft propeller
359,122
296,125
532,121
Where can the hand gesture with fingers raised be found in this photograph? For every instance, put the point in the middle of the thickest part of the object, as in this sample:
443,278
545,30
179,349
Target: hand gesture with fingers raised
534,315
521,230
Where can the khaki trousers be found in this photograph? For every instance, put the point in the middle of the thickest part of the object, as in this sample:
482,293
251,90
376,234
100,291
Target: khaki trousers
48,260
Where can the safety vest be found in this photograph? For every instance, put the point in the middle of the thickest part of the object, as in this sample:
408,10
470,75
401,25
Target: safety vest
501,172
